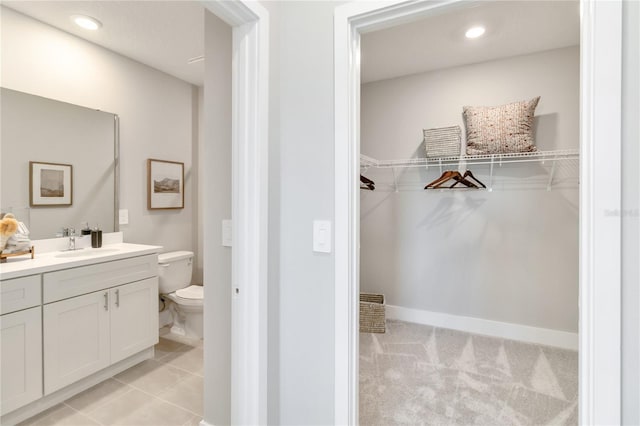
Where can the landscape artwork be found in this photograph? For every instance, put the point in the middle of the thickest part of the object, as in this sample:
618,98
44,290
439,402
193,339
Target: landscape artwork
50,184
165,184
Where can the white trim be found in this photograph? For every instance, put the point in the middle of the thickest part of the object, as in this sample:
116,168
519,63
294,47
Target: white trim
504,330
600,233
600,191
250,81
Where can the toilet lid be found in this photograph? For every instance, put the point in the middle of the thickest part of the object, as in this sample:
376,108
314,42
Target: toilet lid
191,292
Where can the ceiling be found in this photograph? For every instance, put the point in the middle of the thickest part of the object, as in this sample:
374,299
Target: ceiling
166,34
161,34
437,42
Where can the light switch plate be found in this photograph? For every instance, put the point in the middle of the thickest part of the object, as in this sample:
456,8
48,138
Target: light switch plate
123,216
322,236
227,232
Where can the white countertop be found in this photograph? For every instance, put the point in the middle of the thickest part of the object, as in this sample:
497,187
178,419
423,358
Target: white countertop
53,261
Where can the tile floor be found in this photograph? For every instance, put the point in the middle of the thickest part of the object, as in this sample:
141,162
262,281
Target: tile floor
164,391
417,374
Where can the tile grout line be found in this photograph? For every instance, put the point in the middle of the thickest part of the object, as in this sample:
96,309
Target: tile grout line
165,401
83,414
133,387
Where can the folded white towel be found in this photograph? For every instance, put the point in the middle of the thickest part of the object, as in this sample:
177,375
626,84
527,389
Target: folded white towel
19,241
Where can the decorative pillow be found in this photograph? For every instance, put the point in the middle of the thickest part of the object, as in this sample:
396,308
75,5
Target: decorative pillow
501,129
442,142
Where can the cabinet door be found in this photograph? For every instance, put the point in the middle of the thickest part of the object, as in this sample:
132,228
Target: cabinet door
21,362
76,339
134,318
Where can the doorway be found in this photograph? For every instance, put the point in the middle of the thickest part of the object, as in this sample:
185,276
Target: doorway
599,266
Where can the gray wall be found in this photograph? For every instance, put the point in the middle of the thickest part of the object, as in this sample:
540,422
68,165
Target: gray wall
215,187
509,255
306,295
44,130
631,215
156,114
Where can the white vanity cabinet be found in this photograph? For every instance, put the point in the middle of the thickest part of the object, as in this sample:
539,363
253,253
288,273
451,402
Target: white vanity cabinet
88,332
20,342
76,339
134,318
69,324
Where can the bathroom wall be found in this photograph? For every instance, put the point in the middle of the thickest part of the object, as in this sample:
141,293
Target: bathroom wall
510,255
156,114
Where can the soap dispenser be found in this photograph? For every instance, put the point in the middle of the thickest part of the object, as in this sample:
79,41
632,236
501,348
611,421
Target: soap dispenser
86,230
96,237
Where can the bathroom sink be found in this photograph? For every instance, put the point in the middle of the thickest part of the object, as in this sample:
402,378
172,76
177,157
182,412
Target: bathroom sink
86,252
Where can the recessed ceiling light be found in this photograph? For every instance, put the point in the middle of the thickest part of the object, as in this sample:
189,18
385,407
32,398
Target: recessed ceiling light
474,32
86,22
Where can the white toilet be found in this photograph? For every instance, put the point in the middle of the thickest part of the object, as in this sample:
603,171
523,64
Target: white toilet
185,301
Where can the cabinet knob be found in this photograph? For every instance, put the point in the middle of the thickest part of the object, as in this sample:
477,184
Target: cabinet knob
118,298
106,300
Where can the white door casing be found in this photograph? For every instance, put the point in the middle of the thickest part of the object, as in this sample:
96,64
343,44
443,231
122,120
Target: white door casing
250,79
600,177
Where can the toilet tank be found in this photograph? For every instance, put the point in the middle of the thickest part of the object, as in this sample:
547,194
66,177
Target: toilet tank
174,271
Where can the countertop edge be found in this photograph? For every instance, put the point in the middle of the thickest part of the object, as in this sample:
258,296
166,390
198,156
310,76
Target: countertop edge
48,262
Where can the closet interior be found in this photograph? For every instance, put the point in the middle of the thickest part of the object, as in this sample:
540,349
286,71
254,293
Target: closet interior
469,217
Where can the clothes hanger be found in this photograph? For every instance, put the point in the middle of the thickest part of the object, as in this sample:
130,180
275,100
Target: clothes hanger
367,183
460,179
445,176
469,174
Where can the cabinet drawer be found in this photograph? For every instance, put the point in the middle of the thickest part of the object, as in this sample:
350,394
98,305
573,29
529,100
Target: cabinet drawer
19,293
86,279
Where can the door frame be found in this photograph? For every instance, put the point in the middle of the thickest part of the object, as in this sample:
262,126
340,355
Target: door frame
249,212
600,198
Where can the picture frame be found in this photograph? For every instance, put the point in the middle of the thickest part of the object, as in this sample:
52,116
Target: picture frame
165,184
50,184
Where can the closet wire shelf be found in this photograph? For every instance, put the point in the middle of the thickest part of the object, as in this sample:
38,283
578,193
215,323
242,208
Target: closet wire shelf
542,157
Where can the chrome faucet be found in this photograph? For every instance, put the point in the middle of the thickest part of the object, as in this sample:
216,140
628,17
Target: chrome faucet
72,238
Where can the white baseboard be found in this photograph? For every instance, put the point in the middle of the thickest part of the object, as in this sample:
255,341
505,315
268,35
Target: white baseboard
505,330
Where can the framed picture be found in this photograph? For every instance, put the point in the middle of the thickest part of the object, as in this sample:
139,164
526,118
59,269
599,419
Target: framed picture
165,184
50,184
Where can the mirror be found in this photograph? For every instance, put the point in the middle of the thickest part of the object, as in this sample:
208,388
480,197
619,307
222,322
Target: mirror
37,129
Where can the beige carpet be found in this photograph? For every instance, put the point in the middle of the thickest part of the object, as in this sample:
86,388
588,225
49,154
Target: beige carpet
416,374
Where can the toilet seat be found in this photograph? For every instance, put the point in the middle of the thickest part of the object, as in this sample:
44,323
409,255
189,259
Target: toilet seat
194,296
193,292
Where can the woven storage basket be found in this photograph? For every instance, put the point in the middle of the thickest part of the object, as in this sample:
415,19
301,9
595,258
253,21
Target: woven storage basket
372,317
442,142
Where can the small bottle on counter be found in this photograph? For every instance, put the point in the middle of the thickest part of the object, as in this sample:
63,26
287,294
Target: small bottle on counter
86,230
96,238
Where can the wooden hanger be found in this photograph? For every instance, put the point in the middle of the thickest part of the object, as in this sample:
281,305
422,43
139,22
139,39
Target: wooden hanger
460,179
443,178
450,175
469,174
367,184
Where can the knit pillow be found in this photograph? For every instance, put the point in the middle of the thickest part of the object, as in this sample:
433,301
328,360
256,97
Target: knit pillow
501,129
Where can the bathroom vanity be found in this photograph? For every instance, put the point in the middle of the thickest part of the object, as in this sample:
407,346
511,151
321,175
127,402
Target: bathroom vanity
71,319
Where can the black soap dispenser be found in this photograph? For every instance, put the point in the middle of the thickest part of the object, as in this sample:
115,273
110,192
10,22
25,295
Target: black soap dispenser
96,238
86,230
